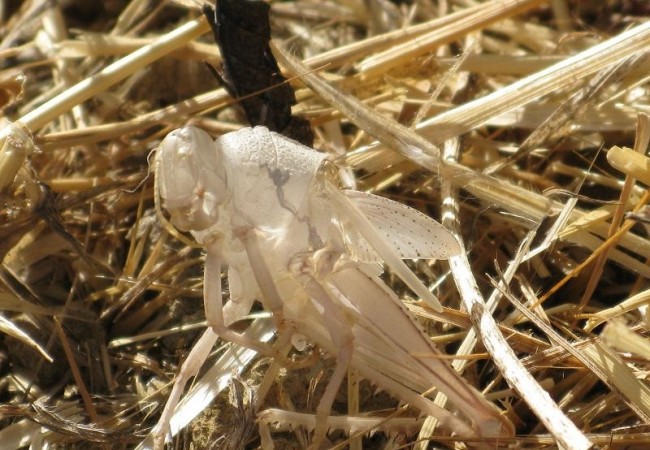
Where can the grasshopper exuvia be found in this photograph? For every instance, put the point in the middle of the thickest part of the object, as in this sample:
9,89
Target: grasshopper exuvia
263,205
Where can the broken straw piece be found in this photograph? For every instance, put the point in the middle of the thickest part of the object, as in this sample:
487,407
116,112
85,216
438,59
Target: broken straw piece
630,162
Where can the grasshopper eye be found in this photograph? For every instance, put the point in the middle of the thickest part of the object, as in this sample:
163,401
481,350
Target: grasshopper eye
190,189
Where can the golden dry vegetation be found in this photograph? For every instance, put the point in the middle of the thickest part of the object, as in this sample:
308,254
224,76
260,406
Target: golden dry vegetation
523,124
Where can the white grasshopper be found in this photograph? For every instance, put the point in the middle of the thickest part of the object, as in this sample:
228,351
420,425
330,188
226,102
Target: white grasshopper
266,206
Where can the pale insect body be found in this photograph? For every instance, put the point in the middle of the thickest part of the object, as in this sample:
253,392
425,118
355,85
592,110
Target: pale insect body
261,203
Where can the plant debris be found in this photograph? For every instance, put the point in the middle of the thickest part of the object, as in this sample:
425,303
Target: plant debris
250,73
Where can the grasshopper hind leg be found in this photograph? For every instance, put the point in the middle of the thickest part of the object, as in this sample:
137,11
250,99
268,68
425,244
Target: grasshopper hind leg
305,269
334,321
343,340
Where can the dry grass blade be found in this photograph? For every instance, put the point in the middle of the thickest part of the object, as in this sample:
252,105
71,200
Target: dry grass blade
62,103
566,433
483,16
464,118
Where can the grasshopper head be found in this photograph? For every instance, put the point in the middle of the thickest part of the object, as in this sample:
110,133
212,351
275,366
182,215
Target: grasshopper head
191,180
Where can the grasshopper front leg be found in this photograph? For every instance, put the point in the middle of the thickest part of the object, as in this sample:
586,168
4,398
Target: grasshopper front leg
201,350
190,368
213,303
272,300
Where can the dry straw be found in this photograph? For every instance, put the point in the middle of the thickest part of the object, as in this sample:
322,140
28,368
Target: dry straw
521,124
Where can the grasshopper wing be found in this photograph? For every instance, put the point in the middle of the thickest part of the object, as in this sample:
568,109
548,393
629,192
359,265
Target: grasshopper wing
355,218
412,234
